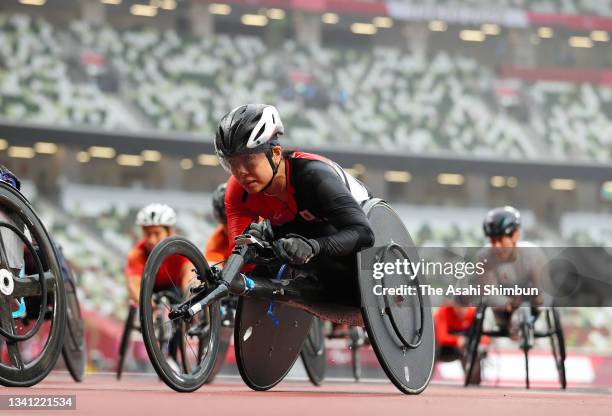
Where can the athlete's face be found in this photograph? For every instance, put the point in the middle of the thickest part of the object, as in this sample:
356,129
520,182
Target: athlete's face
504,245
153,234
253,171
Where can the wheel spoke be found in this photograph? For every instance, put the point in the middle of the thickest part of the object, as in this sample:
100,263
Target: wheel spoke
30,285
3,258
186,340
169,277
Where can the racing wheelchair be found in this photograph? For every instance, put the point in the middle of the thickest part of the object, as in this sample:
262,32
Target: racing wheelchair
527,333
33,298
274,315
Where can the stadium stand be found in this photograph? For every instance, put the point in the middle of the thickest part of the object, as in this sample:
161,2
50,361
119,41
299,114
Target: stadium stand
37,84
574,119
384,98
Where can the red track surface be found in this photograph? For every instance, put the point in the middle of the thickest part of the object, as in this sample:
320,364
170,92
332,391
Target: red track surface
135,395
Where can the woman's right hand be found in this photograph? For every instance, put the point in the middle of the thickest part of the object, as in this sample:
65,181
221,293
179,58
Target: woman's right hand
260,230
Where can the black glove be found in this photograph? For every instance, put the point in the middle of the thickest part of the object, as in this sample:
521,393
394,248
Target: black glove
296,249
260,230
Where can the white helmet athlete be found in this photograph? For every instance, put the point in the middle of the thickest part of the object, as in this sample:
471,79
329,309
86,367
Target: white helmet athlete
156,215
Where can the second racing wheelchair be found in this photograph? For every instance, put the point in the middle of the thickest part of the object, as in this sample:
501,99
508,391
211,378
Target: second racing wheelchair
39,311
528,332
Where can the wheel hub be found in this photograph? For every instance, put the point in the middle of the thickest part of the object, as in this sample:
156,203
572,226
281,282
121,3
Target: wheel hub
6,282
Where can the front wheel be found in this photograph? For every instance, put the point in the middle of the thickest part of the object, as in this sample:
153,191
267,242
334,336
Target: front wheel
160,333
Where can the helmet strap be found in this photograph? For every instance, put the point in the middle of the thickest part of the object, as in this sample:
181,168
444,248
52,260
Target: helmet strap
274,168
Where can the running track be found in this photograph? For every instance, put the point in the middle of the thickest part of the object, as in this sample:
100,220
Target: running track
135,395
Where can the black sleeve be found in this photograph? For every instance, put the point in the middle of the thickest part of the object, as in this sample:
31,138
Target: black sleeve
332,201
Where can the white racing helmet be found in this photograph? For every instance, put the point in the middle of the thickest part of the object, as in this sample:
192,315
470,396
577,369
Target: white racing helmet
156,215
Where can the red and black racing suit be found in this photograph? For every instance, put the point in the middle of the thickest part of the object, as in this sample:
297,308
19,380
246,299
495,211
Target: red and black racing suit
324,203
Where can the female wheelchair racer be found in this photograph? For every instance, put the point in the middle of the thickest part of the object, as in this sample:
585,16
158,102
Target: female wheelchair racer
318,219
